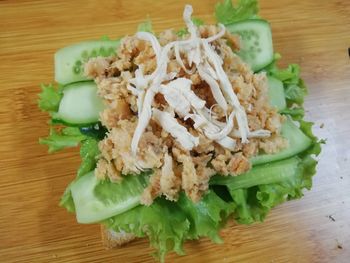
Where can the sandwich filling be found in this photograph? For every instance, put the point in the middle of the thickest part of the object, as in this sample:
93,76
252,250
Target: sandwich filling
186,107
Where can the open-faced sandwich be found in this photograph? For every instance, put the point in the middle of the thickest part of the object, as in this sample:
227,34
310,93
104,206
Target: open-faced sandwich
180,131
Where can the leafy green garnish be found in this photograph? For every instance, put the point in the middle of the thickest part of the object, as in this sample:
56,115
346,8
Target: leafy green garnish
182,32
254,203
168,224
197,21
66,137
206,217
297,113
50,97
67,199
88,153
164,224
295,93
306,128
105,37
294,87
227,13
145,26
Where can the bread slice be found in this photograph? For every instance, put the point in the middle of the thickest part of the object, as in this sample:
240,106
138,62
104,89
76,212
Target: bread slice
112,239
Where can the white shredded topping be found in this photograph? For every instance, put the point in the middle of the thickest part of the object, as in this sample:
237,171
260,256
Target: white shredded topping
183,87
227,143
202,57
214,87
176,100
154,42
179,132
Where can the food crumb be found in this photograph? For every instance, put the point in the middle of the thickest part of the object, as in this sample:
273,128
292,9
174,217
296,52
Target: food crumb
331,218
54,256
339,245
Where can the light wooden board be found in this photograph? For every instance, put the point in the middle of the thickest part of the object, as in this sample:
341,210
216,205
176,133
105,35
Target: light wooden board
315,34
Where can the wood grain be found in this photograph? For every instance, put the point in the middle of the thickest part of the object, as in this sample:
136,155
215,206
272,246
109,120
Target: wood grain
33,228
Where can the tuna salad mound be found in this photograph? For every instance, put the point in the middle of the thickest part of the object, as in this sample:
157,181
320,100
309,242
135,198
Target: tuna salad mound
185,107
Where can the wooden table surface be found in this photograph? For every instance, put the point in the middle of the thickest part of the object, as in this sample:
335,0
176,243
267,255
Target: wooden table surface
315,34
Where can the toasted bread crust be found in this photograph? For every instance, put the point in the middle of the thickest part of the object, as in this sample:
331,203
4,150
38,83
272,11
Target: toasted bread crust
112,239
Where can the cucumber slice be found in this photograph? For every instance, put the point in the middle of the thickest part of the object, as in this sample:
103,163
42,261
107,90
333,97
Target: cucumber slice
80,104
97,200
268,173
256,37
298,142
276,93
69,61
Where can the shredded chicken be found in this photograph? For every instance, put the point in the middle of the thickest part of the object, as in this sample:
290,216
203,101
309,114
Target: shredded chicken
186,111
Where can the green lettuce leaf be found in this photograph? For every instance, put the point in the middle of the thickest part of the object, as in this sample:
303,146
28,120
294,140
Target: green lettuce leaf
289,75
66,200
50,97
168,224
315,148
105,37
163,222
182,32
145,26
295,93
297,113
227,13
88,153
197,21
206,217
66,137
294,87
254,203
